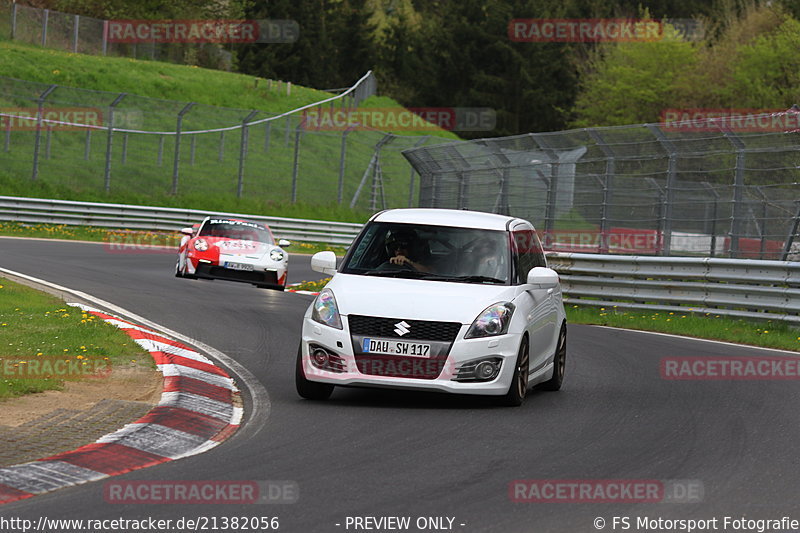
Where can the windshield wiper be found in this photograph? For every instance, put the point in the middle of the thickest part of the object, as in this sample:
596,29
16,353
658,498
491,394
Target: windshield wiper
396,273
472,279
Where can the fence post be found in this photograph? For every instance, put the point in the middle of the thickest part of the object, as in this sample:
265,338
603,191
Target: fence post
738,193
342,155
221,146
296,161
105,37
764,204
608,191
669,194
13,21
76,22
373,162
160,149
38,137
124,147
109,141
243,152
45,20
176,160
423,139
47,142
661,209
787,246
710,189
552,185
7,140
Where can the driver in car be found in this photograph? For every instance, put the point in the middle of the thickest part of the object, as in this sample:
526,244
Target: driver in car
403,248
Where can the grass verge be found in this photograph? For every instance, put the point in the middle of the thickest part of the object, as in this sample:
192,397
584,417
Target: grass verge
767,334
44,342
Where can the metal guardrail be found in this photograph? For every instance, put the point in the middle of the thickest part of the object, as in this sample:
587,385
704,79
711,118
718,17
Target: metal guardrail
739,288
134,217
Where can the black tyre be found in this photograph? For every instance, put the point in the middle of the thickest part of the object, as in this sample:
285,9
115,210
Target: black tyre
519,384
178,273
559,363
309,389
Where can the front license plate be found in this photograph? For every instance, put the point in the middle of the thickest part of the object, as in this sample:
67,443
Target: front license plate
239,266
395,347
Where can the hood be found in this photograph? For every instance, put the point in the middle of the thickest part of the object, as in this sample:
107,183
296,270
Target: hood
415,299
238,247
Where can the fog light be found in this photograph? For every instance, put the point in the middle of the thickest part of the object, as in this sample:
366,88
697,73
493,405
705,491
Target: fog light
485,370
320,357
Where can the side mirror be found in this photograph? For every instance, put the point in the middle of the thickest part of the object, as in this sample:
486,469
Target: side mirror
543,278
324,262
283,243
188,231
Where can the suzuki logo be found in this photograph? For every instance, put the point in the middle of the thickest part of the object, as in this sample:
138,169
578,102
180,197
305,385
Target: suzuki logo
401,328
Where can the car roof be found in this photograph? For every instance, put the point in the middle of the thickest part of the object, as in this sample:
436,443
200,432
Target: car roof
446,217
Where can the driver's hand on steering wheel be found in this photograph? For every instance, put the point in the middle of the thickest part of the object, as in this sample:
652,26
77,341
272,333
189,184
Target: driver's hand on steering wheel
402,260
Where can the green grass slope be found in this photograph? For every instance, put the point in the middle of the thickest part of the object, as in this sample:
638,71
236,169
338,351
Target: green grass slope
72,162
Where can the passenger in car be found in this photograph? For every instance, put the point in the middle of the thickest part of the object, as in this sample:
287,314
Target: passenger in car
404,248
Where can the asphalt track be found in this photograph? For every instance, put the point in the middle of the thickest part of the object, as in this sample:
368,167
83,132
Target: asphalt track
379,453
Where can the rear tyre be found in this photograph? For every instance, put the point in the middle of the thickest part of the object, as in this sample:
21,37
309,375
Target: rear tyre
309,390
519,383
559,363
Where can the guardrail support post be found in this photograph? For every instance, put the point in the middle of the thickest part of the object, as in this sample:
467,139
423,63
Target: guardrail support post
243,152
176,160
109,141
38,138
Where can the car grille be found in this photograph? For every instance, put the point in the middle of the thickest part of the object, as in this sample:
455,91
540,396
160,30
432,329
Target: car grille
418,329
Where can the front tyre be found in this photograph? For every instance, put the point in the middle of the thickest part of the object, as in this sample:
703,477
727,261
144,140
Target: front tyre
519,383
559,363
309,390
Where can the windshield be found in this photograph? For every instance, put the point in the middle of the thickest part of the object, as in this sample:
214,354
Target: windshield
435,253
236,229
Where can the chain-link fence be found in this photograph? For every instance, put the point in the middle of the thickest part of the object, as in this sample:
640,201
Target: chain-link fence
82,140
87,35
724,187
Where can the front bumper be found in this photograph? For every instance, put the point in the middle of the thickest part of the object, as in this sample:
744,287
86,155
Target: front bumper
422,374
267,278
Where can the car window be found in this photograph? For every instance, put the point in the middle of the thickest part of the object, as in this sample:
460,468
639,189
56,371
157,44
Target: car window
528,252
437,253
246,231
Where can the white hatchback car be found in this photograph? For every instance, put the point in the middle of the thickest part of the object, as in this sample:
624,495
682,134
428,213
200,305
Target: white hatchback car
436,299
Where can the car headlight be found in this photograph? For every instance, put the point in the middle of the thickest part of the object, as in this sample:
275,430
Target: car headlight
494,320
325,310
201,245
276,254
